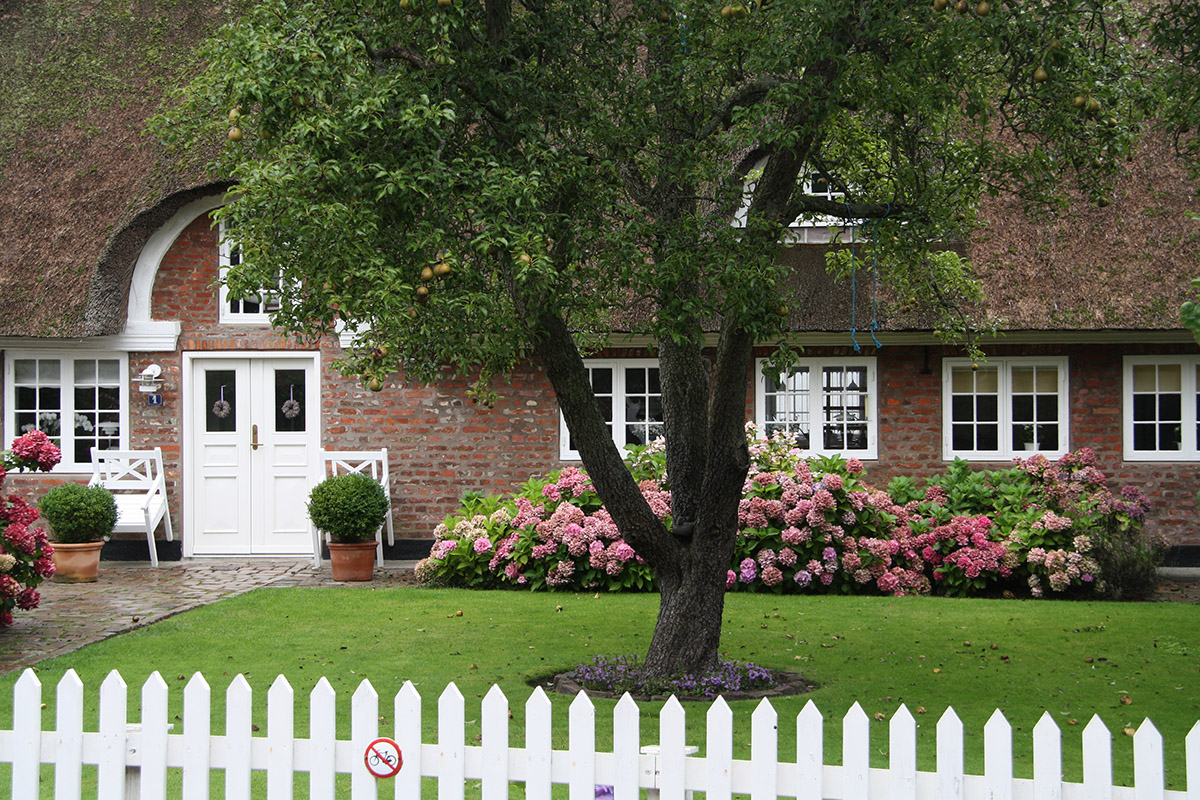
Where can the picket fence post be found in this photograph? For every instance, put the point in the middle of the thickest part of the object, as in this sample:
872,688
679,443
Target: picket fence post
537,746
322,737
1097,760
364,729
197,734
150,776
281,735
627,748
856,754
114,728
810,751
1192,754
950,756
494,738
998,757
1149,780
719,750
452,744
407,711
68,728
27,735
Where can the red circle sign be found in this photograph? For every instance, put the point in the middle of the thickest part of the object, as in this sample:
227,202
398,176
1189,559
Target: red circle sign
383,758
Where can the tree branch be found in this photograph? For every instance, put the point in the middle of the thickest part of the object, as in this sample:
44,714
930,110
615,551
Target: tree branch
744,96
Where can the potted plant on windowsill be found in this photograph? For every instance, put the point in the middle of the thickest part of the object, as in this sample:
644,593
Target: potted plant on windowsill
349,509
81,520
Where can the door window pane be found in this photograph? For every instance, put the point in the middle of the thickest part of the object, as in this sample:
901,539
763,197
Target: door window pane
220,400
290,411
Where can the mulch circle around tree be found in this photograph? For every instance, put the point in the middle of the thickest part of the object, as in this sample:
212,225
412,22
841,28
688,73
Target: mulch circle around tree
788,683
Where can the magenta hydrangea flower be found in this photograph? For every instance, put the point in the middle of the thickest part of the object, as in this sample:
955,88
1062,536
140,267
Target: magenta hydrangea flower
482,545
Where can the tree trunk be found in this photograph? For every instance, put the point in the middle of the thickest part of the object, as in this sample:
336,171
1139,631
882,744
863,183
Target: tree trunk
687,634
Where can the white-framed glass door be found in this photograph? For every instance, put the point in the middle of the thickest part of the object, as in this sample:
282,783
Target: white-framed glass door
253,428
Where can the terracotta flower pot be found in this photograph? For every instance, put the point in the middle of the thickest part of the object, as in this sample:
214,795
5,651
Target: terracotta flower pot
352,561
76,563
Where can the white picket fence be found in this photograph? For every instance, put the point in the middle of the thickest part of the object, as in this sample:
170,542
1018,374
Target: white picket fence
133,760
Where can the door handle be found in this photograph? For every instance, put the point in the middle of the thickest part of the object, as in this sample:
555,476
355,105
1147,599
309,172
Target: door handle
253,437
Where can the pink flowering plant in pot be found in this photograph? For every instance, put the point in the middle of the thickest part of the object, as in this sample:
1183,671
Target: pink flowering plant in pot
816,525
25,552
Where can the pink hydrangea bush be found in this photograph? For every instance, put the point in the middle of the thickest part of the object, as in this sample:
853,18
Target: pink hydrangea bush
25,552
553,534
808,525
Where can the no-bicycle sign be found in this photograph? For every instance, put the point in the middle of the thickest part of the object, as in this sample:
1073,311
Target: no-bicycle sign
383,758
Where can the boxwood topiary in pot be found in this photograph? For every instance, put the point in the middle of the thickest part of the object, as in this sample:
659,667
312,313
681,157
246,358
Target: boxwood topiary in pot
350,508
81,519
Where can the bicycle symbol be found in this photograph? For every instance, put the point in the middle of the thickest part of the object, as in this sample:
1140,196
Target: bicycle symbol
383,759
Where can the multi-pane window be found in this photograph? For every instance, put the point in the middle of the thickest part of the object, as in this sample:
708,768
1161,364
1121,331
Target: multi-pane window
1162,408
829,405
629,397
1007,407
808,229
253,309
81,402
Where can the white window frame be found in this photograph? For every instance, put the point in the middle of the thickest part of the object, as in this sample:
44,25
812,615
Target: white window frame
1004,368
816,367
617,366
807,229
1189,448
66,438
226,258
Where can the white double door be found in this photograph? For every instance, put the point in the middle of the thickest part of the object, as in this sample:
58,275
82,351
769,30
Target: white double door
252,454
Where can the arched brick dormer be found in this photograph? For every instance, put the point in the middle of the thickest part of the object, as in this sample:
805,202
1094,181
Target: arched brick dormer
142,331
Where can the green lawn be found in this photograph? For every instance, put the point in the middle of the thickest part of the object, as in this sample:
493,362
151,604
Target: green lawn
1024,657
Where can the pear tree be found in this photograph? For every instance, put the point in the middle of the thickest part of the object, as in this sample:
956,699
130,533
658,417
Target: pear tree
474,183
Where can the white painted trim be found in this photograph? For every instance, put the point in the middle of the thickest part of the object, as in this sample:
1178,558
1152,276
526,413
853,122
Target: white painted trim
141,287
1004,367
1189,409
187,421
916,338
816,402
146,337
348,336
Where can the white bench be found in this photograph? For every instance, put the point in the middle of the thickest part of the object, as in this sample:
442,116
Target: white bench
135,477
367,462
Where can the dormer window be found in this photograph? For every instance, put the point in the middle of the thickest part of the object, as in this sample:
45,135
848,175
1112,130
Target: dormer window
809,229
254,309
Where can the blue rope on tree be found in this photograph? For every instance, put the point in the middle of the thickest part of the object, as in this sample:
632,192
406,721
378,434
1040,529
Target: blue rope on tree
853,287
875,277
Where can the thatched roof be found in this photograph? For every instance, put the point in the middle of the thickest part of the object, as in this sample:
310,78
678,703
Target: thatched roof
81,184
82,187
1126,266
